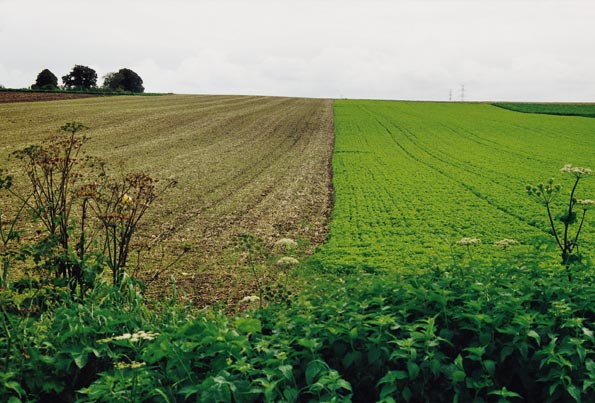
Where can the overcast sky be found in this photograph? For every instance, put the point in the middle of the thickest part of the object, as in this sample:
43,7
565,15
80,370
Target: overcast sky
539,50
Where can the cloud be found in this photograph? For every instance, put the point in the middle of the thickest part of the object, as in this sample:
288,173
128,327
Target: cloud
515,50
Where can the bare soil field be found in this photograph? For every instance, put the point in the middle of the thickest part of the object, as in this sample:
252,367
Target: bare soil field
244,165
17,96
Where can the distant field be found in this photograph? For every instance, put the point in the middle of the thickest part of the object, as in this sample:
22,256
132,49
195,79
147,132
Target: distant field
251,165
586,110
26,96
412,177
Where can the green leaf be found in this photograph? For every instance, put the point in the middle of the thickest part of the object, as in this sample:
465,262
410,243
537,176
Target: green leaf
14,385
374,355
81,359
313,370
161,393
189,390
290,394
489,366
287,371
504,393
458,376
406,393
392,376
533,334
342,383
248,325
574,392
387,390
413,369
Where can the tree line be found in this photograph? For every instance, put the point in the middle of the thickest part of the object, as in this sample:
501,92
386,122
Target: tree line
83,78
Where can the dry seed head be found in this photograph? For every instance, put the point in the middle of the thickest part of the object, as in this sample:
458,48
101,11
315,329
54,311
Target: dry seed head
126,199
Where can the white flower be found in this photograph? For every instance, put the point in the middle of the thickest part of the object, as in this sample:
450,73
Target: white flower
142,335
287,262
250,298
505,243
134,337
466,241
585,204
576,171
132,364
286,243
125,336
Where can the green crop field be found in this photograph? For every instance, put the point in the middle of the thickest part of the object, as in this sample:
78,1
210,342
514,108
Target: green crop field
411,179
586,110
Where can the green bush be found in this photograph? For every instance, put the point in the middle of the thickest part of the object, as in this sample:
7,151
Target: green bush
485,334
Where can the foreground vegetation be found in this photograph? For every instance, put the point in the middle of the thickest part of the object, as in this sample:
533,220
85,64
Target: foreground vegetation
471,333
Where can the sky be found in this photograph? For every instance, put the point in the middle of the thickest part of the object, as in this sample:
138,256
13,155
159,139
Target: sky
515,50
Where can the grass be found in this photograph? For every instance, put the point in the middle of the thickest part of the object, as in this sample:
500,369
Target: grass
412,179
244,165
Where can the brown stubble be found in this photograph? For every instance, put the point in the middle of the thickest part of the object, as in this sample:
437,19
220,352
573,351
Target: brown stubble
255,165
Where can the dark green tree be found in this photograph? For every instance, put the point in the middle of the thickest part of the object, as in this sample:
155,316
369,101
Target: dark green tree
80,78
46,80
123,80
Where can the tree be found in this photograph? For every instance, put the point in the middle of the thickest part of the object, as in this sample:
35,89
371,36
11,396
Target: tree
81,77
46,80
123,80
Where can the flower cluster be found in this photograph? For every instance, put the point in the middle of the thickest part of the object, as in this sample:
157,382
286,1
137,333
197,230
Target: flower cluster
287,262
585,204
466,241
286,243
578,172
505,243
134,337
250,298
544,193
130,365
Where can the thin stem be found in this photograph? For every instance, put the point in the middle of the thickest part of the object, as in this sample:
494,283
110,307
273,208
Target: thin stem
579,228
567,221
549,214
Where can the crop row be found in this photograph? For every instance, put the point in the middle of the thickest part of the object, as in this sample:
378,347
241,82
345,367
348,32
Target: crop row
411,179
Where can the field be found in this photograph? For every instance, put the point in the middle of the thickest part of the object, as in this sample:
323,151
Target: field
243,164
390,308
412,179
586,110
20,96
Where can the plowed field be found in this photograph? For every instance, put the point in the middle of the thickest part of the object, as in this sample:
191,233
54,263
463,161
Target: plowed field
255,165
17,96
